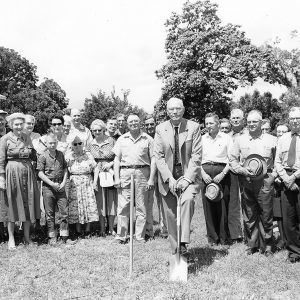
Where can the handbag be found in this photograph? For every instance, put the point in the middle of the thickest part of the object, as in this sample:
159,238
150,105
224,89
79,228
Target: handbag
106,178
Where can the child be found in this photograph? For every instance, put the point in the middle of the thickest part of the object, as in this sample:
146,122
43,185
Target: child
53,172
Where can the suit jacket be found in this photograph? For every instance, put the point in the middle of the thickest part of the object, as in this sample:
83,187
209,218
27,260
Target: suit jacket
190,153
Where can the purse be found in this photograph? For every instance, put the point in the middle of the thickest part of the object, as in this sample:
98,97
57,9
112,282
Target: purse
106,178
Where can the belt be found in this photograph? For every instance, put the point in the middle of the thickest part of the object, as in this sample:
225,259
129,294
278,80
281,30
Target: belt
212,163
103,159
134,167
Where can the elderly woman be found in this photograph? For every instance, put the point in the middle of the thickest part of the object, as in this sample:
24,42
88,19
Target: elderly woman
101,149
82,201
28,129
18,178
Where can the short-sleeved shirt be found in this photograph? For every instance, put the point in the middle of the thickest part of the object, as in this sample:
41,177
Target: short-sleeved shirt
282,152
216,149
52,166
134,151
245,144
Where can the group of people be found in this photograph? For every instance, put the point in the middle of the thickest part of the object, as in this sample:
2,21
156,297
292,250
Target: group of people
248,177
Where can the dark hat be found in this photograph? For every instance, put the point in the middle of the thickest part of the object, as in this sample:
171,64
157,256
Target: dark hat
213,192
257,165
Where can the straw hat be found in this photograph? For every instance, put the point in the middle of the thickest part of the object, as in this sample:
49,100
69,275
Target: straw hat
257,165
213,192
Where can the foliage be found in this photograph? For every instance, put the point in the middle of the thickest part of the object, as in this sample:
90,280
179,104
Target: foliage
206,60
18,82
282,66
102,106
270,108
16,72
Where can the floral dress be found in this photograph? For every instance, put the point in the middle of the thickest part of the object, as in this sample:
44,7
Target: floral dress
82,200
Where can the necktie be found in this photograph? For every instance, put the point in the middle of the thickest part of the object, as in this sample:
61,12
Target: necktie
176,155
292,152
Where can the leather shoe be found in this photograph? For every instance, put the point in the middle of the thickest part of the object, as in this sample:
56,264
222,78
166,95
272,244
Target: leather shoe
268,251
251,251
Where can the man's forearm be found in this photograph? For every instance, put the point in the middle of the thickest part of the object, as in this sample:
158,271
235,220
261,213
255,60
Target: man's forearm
117,168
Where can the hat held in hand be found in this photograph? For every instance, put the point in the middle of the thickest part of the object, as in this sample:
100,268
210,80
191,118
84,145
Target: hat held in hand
257,165
213,192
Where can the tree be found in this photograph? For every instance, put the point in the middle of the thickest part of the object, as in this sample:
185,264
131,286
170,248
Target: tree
269,107
206,60
16,72
102,106
42,102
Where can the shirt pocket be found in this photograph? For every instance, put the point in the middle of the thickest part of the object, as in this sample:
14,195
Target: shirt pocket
245,151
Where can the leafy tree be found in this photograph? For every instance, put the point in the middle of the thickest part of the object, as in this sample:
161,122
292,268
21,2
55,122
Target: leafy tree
16,72
282,66
206,60
271,108
102,106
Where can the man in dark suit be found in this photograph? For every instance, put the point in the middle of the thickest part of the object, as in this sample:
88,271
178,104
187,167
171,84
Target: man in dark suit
177,150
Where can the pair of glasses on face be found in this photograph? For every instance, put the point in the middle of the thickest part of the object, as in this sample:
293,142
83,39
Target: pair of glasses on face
149,125
56,124
77,144
97,130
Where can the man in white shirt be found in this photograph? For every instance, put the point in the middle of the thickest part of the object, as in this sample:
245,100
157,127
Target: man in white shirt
215,168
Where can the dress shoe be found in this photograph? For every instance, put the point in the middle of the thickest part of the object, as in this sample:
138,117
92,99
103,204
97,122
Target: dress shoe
251,251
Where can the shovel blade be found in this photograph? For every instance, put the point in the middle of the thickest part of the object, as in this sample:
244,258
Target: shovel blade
178,268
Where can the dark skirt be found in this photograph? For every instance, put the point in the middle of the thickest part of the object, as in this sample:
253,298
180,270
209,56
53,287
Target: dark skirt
23,196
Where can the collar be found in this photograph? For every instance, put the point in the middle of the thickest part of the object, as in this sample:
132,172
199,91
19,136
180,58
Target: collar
128,135
256,137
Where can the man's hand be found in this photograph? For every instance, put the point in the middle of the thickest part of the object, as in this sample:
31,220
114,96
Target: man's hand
206,178
246,172
150,184
117,183
294,187
182,184
289,181
218,178
172,185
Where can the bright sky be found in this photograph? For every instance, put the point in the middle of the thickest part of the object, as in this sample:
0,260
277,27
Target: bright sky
97,44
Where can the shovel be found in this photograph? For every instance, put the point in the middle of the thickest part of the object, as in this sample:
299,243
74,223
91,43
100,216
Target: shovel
178,263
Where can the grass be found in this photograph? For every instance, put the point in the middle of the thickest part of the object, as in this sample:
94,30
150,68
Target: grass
97,268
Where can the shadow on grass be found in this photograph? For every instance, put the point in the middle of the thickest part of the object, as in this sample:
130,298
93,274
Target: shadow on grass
203,257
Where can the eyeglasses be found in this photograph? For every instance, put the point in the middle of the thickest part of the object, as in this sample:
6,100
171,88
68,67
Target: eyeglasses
149,124
56,124
77,144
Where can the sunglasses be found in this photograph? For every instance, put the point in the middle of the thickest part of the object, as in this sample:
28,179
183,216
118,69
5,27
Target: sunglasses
150,124
97,130
56,124
77,144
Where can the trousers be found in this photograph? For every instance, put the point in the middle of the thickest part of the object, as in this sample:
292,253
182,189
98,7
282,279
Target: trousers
52,199
257,207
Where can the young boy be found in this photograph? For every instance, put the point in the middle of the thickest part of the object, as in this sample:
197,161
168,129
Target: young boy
53,172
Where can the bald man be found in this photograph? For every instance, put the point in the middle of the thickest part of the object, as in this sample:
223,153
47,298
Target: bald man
134,156
177,149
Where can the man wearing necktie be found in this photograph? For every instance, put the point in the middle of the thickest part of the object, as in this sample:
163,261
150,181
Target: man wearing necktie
177,149
287,163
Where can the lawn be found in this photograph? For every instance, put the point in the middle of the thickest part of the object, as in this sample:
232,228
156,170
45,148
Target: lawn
97,268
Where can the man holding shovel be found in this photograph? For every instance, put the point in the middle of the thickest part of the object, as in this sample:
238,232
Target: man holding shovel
177,150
